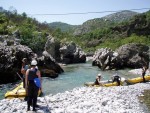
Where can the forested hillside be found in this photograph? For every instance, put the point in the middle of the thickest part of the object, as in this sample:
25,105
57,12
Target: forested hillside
106,21
134,30
109,31
30,31
64,27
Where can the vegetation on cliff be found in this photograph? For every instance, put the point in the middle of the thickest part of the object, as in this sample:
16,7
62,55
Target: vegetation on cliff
135,30
109,31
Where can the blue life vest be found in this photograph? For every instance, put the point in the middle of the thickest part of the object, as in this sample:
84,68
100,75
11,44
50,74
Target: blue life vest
37,82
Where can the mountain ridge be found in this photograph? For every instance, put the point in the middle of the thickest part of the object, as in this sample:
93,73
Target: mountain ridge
108,20
96,23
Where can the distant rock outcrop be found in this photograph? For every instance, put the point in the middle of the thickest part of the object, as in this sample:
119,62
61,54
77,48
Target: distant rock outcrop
66,53
70,53
52,47
129,55
139,25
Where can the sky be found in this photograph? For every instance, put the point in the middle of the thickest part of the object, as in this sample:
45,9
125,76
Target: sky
50,7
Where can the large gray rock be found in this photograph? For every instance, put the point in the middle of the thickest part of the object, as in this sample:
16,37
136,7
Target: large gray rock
134,55
129,55
52,47
48,66
70,53
66,53
10,61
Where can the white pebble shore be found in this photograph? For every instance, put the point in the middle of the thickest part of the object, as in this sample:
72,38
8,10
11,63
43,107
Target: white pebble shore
116,99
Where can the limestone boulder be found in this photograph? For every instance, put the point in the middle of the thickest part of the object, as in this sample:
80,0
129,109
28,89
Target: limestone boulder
127,56
70,53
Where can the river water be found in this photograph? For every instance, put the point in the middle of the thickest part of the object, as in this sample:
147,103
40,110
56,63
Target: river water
75,75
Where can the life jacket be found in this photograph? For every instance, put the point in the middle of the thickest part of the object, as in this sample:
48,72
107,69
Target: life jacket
32,74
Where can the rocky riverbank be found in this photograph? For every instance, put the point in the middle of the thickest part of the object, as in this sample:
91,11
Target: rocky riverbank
121,99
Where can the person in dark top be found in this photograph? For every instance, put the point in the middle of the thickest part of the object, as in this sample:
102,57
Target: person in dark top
31,87
117,78
144,72
98,79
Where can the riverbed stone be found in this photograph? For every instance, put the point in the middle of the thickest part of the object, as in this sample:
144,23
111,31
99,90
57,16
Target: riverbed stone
115,99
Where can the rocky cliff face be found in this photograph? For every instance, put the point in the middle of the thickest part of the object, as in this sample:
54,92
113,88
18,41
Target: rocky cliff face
11,55
10,61
127,56
140,25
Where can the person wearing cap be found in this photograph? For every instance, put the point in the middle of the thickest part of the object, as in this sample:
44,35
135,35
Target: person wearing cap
31,87
98,79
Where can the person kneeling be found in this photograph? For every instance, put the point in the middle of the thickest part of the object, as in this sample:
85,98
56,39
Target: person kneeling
117,78
98,79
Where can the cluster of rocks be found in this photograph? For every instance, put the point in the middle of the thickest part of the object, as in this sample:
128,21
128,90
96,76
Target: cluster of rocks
70,53
117,99
11,55
64,52
130,55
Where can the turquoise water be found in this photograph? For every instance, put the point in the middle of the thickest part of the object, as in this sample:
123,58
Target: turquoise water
75,75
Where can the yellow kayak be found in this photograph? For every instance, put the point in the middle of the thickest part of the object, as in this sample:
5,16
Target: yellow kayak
18,92
137,80
105,83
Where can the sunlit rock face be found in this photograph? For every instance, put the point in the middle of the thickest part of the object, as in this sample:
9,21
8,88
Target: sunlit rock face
71,53
127,56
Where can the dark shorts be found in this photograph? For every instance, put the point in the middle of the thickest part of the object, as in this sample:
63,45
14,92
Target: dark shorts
32,89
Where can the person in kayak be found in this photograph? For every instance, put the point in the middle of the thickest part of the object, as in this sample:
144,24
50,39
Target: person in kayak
144,69
98,79
32,87
116,78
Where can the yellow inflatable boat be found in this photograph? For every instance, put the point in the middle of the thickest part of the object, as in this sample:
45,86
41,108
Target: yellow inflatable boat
107,83
18,92
137,80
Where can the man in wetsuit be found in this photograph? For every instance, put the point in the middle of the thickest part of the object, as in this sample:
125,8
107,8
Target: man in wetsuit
31,87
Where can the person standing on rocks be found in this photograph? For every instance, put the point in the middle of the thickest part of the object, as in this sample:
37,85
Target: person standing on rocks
32,87
144,72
